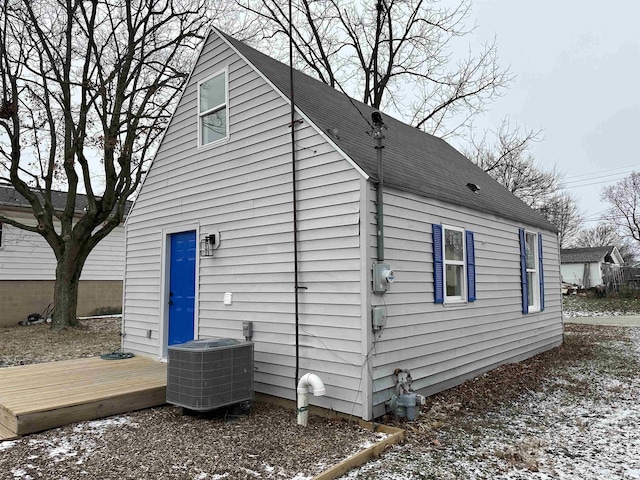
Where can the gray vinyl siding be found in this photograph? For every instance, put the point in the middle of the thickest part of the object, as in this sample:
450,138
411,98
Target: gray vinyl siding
25,255
444,345
242,188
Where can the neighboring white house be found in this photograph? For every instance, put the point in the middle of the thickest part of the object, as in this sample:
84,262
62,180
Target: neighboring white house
586,266
28,264
477,272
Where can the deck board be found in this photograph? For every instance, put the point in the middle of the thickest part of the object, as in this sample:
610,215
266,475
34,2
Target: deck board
42,396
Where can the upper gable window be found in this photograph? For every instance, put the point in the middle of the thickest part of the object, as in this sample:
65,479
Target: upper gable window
212,108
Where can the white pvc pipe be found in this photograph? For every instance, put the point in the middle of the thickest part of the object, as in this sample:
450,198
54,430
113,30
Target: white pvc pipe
309,382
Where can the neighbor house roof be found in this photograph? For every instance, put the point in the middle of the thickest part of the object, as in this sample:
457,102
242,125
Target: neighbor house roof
585,255
9,197
414,161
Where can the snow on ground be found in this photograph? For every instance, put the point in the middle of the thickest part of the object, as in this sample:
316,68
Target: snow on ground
78,446
584,424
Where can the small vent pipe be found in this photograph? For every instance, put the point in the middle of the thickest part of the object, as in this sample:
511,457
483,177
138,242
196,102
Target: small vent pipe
310,382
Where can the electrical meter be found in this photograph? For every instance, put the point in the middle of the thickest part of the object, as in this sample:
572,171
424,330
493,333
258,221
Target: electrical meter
382,277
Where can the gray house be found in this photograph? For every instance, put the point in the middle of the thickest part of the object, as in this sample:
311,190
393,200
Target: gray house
210,242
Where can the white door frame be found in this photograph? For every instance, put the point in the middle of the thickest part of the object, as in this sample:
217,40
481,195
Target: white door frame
165,271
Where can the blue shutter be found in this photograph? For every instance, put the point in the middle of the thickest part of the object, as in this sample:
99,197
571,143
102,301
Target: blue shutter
540,272
438,272
523,272
471,267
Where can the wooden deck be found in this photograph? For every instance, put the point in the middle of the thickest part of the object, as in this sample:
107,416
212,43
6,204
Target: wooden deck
42,396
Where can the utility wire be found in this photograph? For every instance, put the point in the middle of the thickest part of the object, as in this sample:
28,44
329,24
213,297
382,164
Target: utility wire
564,186
626,170
598,177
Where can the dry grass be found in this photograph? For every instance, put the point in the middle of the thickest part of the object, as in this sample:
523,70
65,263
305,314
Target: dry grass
22,345
489,427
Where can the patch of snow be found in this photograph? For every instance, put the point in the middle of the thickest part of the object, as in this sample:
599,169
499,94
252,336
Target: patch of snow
20,473
379,437
632,474
100,426
587,313
6,445
251,472
64,450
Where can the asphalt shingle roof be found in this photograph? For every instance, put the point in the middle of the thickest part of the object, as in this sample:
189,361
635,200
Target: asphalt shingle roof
584,255
414,161
9,197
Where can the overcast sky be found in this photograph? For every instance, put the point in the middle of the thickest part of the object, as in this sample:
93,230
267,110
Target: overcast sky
577,67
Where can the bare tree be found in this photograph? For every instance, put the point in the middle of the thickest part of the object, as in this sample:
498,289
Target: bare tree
86,88
507,158
391,54
604,234
624,198
562,210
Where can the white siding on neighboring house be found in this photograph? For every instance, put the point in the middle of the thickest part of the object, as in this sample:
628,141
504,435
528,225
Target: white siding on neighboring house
444,344
584,274
242,188
26,255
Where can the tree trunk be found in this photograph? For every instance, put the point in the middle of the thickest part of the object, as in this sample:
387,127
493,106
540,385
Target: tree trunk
65,295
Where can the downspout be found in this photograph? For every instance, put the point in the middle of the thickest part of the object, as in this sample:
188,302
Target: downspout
294,195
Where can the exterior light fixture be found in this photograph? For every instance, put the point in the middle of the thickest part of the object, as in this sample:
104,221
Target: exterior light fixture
209,243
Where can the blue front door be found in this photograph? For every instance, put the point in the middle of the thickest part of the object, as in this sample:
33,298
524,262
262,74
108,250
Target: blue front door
182,287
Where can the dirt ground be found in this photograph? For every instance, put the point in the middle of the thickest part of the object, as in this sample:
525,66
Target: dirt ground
259,441
570,413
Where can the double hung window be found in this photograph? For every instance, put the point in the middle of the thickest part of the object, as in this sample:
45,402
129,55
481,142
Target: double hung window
454,264
212,109
531,271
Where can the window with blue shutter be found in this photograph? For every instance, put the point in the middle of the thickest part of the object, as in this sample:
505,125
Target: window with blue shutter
454,265
523,272
438,273
471,267
531,273
540,272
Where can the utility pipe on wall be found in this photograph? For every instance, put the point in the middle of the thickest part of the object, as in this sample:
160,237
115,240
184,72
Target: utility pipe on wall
310,382
378,124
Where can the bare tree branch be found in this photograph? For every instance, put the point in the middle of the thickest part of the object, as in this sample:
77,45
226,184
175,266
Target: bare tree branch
392,54
624,198
86,89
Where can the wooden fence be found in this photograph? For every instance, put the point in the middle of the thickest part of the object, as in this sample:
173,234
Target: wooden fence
618,278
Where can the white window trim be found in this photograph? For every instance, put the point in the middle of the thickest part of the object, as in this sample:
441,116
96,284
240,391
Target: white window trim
200,114
534,303
463,294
